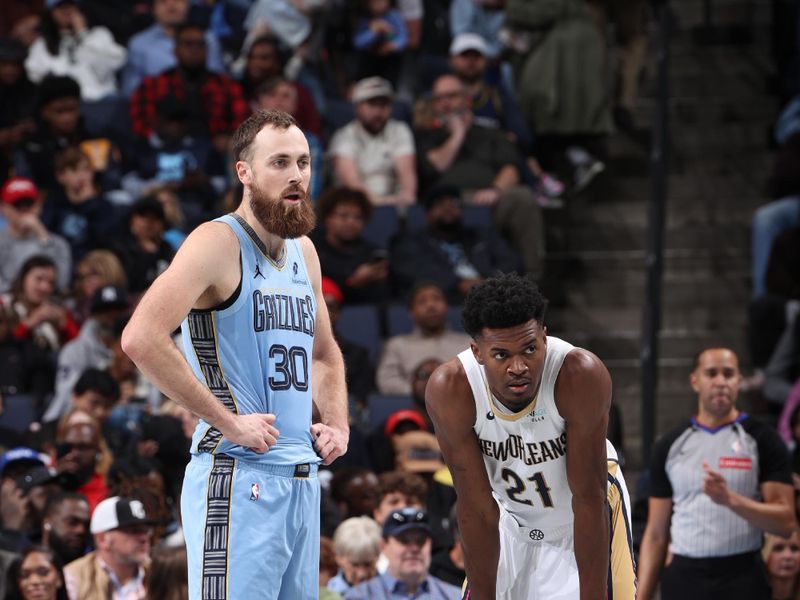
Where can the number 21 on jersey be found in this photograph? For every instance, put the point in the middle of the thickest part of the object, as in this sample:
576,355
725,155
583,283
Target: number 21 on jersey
517,487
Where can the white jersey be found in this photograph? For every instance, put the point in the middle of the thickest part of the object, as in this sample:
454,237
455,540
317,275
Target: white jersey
525,452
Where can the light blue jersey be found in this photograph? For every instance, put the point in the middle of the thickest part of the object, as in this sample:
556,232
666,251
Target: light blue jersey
254,353
251,521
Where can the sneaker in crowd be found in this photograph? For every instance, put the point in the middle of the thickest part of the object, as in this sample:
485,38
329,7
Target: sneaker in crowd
585,173
550,186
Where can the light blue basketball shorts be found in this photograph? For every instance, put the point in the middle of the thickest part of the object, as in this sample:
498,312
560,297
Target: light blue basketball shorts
251,529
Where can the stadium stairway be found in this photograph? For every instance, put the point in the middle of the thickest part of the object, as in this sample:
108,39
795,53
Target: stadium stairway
720,112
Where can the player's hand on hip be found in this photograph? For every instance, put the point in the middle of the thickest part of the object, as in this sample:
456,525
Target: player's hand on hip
255,431
329,442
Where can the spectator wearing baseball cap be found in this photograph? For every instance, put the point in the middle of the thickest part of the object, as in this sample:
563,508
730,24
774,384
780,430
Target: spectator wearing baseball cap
117,568
375,153
494,106
26,235
21,470
17,461
407,546
92,348
483,19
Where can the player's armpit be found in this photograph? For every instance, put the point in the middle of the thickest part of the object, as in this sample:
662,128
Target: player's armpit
451,407
202,272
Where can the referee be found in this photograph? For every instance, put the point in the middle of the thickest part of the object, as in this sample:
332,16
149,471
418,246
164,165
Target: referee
717,482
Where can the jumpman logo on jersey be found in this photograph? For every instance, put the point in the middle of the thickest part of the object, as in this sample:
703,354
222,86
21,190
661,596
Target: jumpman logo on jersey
258,272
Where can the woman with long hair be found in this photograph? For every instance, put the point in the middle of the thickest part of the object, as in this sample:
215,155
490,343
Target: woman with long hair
68,46
36,575
33,309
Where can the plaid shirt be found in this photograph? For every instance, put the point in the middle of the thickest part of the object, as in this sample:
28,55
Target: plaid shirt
219,108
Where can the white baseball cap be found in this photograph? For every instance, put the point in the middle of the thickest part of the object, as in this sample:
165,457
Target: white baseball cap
113,513
468,41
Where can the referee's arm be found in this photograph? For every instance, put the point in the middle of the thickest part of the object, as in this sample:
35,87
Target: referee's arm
653,551
775,514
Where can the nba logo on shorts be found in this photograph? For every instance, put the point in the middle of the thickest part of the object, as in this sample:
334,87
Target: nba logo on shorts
254,491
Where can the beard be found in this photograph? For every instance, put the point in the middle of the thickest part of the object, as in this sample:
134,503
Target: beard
64,550
288,221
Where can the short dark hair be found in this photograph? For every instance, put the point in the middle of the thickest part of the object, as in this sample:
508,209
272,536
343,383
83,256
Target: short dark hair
699,353
57,499
187,26
56,87
269,40
503,301
342,478
271,84
96,380
404,482
333,197
424,284
246,132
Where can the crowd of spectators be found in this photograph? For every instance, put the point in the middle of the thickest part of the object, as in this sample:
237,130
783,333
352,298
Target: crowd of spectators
432,170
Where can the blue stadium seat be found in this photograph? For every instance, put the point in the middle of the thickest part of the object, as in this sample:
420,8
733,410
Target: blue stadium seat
19,412
479,217
399,321
383,224
415,218
360,324
380,407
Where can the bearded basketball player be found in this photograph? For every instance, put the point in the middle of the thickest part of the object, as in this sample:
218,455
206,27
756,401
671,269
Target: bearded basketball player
257,353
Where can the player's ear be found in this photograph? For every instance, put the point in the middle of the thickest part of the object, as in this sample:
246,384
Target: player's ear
693,381
476,352
243,172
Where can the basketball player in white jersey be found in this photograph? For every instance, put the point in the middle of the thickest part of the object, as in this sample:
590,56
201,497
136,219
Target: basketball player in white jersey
521,419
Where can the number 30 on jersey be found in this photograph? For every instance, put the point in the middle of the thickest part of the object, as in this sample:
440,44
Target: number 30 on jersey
290,368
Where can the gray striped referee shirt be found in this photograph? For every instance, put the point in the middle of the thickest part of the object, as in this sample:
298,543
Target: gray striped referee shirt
746,452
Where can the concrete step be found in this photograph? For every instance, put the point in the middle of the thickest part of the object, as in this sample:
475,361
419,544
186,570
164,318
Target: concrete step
617,346
595,319
691,13
727,236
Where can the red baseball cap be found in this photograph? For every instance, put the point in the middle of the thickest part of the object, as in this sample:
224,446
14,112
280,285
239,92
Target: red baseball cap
404,415
17,188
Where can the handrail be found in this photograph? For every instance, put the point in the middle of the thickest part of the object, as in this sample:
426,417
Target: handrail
659,170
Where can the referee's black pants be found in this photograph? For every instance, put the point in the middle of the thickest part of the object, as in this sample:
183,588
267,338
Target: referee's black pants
737,577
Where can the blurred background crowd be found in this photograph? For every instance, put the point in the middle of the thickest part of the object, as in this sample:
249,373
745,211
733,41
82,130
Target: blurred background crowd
441,134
